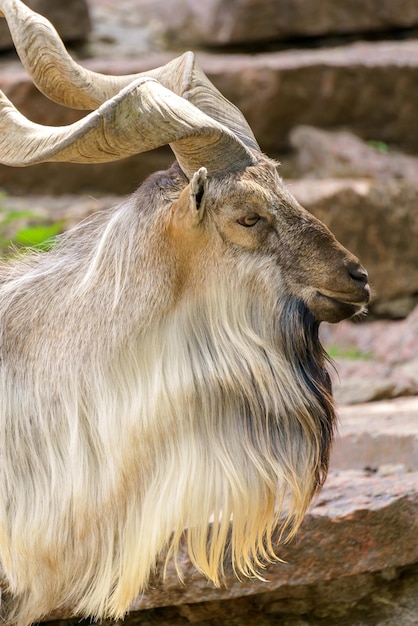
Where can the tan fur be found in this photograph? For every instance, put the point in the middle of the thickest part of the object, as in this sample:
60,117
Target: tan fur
158,373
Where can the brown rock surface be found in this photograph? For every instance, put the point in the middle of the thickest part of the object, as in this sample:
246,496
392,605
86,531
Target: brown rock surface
357,382
392,342
215,22
380,436
70,18
327,154
374,361
369,88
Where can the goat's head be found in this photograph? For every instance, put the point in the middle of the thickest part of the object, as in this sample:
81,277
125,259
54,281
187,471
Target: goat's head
242,278
251,212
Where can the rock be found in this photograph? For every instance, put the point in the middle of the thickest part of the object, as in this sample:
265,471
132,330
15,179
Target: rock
216,23
356,383
392,342
70,210
410,369
327,154
121,29
70,18
397,308
377,221
359,86
385,598
373,361
379,436
120,177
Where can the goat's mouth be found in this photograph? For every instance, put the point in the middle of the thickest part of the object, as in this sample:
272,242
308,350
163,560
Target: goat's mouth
328,306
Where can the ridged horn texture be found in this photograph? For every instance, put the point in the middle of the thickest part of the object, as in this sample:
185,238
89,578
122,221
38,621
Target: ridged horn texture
202,127
141,117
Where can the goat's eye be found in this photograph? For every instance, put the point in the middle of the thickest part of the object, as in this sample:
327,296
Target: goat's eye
249,220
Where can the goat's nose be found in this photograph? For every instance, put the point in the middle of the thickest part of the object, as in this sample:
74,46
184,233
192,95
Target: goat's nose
357,272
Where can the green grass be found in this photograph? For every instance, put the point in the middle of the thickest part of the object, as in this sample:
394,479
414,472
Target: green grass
339,352
25,229
380,146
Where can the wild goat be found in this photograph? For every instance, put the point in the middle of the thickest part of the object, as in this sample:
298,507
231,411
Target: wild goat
160,367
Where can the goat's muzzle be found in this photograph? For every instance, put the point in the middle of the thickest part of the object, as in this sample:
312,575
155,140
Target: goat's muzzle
347,294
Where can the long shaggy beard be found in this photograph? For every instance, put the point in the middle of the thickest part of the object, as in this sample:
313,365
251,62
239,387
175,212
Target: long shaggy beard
246,418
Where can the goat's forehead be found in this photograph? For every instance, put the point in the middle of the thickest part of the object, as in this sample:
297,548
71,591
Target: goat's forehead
257,177
255,187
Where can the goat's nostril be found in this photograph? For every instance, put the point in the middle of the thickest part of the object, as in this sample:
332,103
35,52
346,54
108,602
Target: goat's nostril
357,273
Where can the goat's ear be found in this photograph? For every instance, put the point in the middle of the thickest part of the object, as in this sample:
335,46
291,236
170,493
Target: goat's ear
198,193
189,209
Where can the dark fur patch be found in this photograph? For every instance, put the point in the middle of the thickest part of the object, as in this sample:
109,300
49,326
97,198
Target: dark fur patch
308,360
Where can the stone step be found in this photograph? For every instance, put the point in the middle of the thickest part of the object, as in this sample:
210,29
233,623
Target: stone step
379,436
216,23
70,18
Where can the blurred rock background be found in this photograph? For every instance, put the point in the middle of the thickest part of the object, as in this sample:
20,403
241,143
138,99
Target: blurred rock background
330,89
